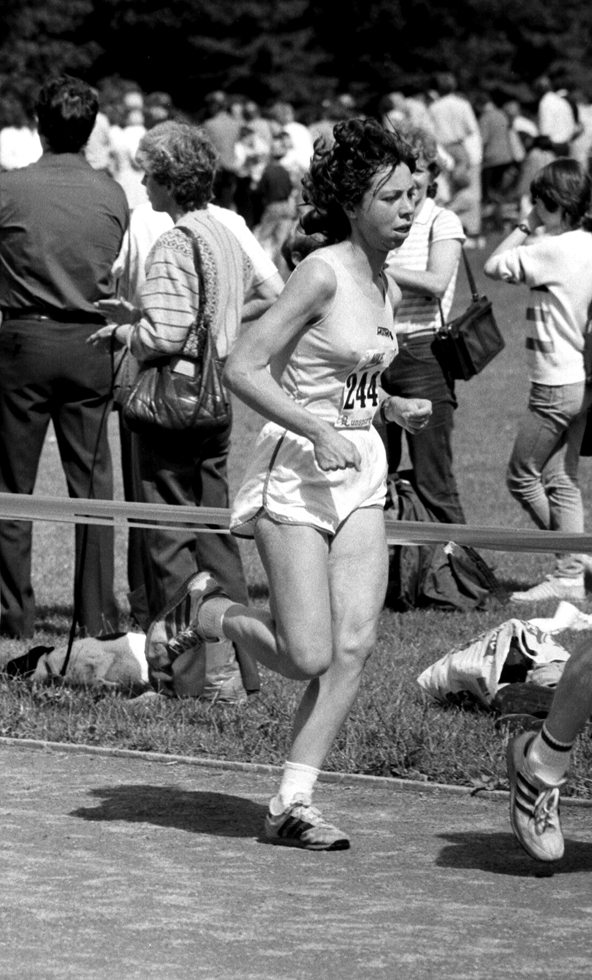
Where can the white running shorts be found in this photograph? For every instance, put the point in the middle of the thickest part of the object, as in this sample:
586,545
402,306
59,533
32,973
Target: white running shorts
284,482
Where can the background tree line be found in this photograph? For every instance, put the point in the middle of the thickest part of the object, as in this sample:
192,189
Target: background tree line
302,50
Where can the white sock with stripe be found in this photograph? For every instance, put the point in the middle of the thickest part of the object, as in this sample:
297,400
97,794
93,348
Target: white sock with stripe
549,758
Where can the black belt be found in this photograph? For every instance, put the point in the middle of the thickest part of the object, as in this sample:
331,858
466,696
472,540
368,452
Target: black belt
60,316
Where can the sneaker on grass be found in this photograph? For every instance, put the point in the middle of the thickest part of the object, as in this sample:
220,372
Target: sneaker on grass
534,805
571,589
176,630
301,825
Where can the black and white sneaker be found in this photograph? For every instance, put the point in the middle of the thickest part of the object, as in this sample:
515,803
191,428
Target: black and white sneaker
301,825
534,805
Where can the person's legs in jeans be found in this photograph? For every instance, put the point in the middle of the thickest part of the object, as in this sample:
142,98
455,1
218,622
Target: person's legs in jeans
417,373
542,472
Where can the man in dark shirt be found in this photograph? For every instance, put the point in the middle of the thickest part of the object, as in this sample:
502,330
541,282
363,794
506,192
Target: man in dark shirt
61,227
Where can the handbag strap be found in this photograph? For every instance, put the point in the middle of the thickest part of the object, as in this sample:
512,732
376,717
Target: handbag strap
470,276
200,324
472,285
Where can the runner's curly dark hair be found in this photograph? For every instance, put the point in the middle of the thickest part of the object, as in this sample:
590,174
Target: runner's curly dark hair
339,176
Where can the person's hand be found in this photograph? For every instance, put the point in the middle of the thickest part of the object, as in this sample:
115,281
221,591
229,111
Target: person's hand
117,311
334,452
412,414
113,334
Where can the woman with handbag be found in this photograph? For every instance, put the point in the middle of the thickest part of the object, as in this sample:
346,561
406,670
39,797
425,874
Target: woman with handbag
552,253
425,268
313,496
190,312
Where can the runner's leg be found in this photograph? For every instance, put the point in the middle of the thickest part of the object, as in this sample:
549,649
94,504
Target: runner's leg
358,571
294,637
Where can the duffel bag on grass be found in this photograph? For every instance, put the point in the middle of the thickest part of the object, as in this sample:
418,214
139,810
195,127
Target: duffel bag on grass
446,576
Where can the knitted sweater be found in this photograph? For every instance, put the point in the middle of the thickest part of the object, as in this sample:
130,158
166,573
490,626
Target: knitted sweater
558,269
170,296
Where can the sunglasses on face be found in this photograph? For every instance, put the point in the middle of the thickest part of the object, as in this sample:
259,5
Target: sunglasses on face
551,206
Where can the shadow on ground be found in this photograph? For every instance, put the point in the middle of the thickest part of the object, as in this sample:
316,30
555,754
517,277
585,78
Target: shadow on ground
168,806
501,854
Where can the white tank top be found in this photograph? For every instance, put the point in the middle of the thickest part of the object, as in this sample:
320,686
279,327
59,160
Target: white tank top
334,367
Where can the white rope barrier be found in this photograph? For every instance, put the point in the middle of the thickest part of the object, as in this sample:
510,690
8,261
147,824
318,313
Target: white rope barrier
127,515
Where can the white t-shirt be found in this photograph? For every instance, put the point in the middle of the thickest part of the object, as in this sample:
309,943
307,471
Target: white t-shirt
19,146
432,224
556,118
558,270
146,225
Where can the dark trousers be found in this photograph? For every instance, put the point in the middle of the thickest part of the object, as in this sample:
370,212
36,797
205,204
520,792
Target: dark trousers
416,373
188,468
48,372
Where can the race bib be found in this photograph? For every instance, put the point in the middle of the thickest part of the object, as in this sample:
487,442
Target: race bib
359,399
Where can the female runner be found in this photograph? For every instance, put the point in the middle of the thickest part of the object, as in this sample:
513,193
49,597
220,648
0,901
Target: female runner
314,493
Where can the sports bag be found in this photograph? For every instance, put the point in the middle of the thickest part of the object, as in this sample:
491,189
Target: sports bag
469,342
444,576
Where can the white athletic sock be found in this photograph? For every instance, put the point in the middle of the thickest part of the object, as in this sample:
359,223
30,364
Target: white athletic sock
549,758
211,616
297,780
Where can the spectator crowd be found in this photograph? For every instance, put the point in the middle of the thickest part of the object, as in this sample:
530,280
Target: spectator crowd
491,143
479,151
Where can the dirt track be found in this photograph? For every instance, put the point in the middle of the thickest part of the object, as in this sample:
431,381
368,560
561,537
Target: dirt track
117,869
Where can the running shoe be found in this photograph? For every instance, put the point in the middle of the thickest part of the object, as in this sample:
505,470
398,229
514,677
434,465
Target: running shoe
175,630
534,805
553,587
301,825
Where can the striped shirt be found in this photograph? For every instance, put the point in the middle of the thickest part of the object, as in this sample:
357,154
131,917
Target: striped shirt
170,296
558,269
433,224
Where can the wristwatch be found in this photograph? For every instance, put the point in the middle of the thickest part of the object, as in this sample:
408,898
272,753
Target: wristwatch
523,227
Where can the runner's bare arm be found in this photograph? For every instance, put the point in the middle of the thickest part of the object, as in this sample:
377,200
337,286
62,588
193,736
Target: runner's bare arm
306,298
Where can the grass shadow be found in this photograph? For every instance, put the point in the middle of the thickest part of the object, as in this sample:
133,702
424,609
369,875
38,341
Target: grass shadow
500,853
196,812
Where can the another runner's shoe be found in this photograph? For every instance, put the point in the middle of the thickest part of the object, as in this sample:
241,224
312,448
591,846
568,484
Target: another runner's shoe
534,805
570,589
301,825
176,630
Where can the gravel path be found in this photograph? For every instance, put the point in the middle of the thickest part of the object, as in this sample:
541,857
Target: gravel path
118,868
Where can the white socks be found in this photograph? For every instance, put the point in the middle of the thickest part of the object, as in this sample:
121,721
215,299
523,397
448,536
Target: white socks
548,758
297,780
211,616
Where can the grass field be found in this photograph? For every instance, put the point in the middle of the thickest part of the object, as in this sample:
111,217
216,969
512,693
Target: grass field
393,728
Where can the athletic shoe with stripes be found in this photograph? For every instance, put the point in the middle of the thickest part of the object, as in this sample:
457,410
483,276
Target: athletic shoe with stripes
175,630
570,589
534,805
301,825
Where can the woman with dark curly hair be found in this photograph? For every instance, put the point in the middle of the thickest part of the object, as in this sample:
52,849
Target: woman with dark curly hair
314,493
184,467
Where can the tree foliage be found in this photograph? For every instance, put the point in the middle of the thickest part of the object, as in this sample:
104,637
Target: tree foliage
302,50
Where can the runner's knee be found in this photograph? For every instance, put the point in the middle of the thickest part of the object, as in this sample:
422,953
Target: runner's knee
310,656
